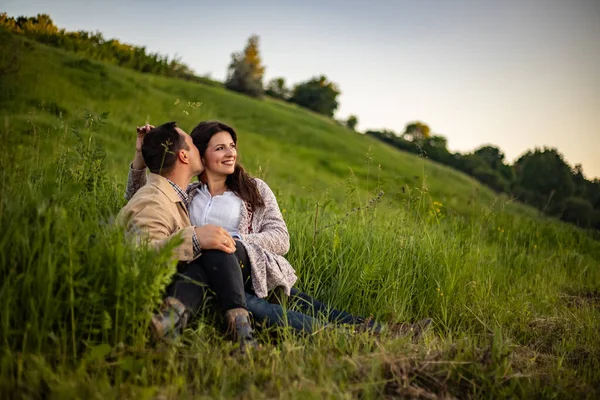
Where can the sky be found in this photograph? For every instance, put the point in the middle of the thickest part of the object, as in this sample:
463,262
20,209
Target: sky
517,74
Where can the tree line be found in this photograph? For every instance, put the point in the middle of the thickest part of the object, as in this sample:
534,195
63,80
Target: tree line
541,177
93,45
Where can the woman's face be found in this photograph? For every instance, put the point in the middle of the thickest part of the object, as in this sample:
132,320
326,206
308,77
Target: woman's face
220,155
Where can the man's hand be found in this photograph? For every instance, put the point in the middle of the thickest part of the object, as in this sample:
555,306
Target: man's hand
212,237
138,159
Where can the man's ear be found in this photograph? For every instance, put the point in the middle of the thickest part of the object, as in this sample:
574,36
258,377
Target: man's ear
182,155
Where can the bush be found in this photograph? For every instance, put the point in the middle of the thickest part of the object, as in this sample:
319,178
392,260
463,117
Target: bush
578,211
276,88
317,94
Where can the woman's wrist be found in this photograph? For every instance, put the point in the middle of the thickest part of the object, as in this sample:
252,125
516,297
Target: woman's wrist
138,161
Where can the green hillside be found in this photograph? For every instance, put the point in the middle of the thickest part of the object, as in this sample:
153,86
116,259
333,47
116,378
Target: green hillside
514,296
297,150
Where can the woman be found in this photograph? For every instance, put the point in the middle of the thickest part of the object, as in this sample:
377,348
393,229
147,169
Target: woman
226,195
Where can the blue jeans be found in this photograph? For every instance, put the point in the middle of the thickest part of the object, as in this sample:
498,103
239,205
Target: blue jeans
305,319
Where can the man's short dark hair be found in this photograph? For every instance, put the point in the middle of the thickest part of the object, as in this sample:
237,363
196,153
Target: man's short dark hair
160,148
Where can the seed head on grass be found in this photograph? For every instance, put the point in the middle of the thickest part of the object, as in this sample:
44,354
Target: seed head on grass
166,145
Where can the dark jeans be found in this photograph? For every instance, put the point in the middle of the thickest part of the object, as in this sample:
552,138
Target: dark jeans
216,270
308,314
228,276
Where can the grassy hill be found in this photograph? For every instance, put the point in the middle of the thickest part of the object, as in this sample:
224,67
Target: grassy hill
514,296
296,149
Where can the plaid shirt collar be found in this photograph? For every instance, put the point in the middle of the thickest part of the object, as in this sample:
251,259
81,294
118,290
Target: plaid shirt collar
181,193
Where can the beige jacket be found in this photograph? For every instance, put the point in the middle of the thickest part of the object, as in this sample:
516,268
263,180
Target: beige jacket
156,215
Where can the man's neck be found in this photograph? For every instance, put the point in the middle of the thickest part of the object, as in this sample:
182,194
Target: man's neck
179,178
216,185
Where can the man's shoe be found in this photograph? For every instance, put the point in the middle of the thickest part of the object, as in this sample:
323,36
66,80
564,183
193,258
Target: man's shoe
367,325
239,328
170,321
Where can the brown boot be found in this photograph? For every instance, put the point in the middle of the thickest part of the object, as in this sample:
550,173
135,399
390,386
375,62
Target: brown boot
415,330
239,328
171,319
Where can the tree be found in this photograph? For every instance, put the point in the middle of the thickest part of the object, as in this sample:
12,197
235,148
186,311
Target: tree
276,88
417,131
579,181
352,121
252,58
494,159
437,141
245,72
317,94
492,156
544,179
592,191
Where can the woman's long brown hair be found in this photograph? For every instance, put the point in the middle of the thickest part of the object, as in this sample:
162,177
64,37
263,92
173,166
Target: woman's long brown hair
240,182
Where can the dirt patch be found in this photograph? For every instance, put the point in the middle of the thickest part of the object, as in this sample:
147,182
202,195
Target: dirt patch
547,332
530,361
590,298
457,371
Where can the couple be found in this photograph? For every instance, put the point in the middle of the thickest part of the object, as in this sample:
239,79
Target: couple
232,231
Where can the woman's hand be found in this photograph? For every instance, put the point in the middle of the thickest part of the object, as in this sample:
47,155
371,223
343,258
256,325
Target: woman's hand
141,133
138,159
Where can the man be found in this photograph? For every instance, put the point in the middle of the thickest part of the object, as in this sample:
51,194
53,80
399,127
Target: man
158,213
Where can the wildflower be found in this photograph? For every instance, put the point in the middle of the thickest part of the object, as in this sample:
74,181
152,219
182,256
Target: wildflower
176,102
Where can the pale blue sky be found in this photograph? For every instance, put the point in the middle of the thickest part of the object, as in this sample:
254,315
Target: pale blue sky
514,73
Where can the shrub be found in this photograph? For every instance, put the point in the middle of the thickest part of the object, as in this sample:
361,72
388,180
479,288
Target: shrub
578,211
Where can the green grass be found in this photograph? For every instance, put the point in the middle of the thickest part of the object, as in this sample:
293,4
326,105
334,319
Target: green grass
515,296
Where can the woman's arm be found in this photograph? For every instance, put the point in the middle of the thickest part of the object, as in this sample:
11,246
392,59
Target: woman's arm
137,169
272,234
135,180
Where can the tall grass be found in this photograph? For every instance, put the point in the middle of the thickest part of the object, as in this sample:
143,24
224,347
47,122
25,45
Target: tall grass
515,301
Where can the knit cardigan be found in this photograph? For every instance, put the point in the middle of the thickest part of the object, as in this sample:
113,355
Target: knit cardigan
264,236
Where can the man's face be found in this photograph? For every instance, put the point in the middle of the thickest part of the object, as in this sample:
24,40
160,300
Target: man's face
195,162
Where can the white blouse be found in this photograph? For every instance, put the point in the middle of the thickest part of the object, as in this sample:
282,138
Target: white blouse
223,210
